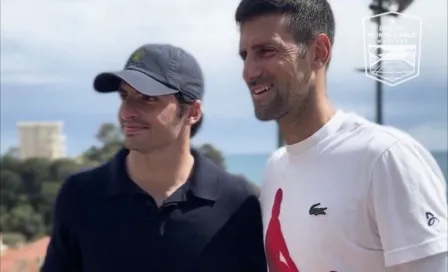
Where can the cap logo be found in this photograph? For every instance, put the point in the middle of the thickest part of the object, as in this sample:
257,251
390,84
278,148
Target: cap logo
138,55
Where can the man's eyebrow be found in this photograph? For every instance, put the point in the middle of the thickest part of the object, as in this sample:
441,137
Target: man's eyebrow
257,46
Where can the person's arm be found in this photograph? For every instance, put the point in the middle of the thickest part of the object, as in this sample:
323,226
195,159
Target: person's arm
408,203
63,254
252,239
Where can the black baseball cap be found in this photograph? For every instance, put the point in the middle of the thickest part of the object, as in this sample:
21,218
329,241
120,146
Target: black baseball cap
157,69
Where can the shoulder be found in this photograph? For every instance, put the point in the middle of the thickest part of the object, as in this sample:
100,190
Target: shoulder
274,167
360,133
228,184
406,157
235,193
385,147
396,161
375,141
276,162
387,143
276,159
73,194
233,190
236,185
88,181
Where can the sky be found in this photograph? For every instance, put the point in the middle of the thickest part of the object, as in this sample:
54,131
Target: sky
52,49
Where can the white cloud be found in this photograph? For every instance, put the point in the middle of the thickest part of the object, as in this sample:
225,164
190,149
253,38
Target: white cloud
89,36
32,79
100,34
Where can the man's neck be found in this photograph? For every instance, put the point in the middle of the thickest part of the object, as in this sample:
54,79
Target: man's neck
161,172
301,125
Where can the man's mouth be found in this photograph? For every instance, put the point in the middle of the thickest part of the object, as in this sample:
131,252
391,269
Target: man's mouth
129,129
260,89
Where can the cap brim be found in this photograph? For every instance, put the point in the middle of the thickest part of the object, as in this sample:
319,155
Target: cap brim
110,82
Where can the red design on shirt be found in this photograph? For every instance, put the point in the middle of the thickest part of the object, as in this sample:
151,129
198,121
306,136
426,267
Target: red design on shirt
275,242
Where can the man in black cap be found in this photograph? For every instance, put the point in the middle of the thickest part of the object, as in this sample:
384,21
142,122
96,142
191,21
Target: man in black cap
158,205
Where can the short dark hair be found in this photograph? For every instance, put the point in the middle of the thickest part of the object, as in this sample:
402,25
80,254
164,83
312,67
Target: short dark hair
183,102
307,18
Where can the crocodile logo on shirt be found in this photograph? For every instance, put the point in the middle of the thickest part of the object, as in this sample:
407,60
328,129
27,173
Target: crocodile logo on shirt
315,210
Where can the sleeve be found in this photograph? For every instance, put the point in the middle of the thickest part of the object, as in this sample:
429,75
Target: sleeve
63,254
408,201
435,263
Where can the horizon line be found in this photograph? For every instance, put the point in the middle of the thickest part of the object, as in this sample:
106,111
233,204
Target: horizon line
267,152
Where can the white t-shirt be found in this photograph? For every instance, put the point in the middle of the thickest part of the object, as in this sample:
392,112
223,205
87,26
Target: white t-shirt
353,197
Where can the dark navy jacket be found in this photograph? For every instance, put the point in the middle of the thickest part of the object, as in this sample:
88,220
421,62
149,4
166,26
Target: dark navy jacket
105,222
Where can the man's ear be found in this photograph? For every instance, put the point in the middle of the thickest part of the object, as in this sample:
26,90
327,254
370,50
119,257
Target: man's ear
194,112
321,51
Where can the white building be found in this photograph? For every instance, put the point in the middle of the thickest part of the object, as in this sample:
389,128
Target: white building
41,139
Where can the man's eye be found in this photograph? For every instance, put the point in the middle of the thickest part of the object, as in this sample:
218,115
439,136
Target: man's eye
122,95
149,98
267,52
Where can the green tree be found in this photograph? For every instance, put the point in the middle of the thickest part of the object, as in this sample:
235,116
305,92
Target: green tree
33,173
13,238
3,217
13,152
23,219
60,169
109,150
46,201
10,188
92,154
109,133
213,154
11,163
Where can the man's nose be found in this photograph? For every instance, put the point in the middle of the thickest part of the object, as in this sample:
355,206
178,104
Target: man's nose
252,70
128,111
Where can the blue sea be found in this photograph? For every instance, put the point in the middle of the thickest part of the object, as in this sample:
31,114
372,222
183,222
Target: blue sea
252,165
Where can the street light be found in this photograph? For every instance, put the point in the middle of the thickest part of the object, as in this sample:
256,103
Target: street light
279,137
378,7
378,97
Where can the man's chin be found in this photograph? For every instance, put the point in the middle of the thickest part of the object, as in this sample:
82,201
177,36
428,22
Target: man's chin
261,116
131,144
262,119
138,146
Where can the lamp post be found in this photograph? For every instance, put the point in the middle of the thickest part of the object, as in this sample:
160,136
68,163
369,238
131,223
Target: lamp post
279,137
377,8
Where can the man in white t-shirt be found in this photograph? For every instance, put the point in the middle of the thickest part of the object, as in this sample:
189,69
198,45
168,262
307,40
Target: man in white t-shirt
344,194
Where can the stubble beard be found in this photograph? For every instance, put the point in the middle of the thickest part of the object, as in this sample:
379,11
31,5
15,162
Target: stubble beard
274,109
284,104
135,144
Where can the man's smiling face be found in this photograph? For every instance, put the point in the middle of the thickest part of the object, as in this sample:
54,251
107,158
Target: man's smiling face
274,69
